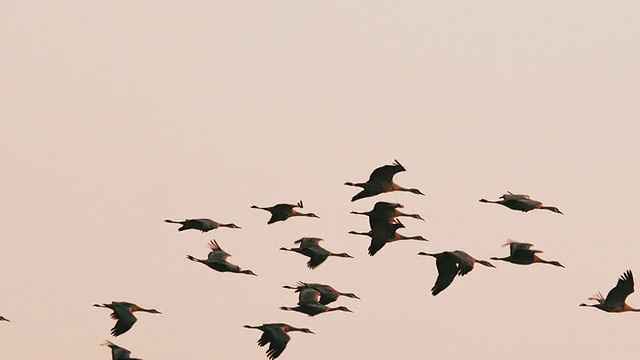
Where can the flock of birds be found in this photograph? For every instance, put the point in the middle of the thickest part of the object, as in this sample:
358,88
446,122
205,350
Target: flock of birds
313,298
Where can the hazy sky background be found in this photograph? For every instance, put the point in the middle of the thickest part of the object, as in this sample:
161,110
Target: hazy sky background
117,115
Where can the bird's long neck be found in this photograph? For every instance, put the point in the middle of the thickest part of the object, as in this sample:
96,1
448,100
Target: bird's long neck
297,213
344,255
507,259
485,263
348,183
403,237
228,225
350,295
360,233
415,216
491,201
195,259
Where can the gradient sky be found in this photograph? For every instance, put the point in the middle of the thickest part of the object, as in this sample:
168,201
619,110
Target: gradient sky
117,115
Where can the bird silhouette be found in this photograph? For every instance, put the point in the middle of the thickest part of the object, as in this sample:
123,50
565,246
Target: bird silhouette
450,264
117,352
123,313
309,246
217,260
383,233
381,181
282,212
327,293
385,212
616,298
521,202
2,318
203,225
276,336
309,303
522,254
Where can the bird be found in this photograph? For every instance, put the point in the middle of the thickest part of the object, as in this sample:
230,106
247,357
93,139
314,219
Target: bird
276,336
309,246
203,225
521,202
217,260
309,303
117,352
615,300
282,212
385,212
123,312
384,233
327,293
450,264
522,254
2,318
381,181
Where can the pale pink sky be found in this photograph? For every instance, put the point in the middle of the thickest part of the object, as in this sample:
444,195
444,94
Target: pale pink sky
117,115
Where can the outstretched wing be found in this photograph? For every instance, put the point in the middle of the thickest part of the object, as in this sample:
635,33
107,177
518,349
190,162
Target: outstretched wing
512,196
308,296
125,318
217,254
279,340
316,260
386,172
308,242
619,294
447,270
516,246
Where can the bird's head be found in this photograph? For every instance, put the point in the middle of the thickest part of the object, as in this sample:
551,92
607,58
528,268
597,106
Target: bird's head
555,210
2,318
555,263
416,191
350,295
342,308
248,272
305,330
344,255
485,263
234,226
153,311
312,215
